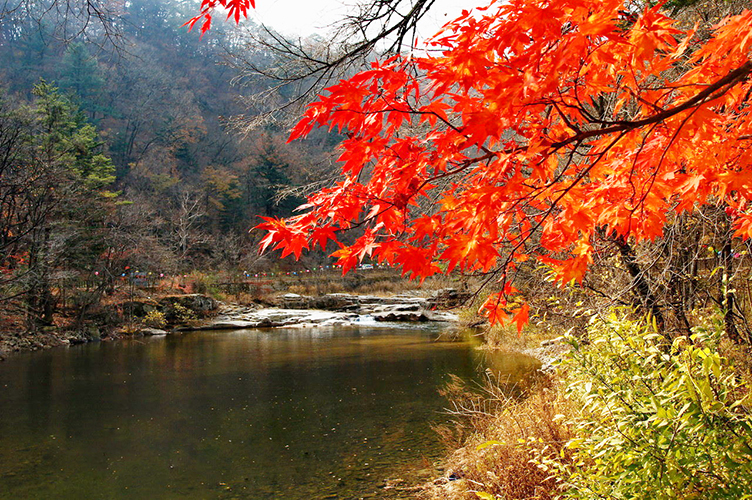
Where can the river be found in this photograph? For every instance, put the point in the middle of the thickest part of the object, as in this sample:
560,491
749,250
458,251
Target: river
286,413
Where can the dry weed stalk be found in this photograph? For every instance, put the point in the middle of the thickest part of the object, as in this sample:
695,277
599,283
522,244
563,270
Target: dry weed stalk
504,434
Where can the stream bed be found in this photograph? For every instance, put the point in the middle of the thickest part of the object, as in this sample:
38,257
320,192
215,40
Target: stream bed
263,414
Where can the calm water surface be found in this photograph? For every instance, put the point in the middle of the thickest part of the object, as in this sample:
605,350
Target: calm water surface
293,414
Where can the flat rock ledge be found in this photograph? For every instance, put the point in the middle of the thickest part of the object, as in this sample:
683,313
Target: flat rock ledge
337,309
370,304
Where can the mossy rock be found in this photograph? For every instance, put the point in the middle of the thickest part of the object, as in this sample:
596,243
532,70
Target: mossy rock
139,307
177,307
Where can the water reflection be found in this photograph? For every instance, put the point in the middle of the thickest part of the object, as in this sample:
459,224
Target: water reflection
249,414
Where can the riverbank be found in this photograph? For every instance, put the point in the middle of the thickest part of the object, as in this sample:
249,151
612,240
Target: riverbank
149,315
625,403
497,442
117,317
497,437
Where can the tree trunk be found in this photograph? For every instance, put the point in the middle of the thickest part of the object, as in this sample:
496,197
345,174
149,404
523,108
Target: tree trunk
728,295
640,284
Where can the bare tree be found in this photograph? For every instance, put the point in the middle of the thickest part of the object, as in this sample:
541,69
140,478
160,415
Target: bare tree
64,20
186,223
302,67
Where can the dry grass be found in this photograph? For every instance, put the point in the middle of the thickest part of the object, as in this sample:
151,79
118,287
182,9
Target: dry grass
501,435
503,439
506,338
376,282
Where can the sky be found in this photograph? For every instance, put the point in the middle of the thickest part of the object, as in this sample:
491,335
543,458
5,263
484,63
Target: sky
306,17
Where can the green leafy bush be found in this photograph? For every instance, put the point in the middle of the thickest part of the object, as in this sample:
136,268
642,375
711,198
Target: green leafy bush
659,419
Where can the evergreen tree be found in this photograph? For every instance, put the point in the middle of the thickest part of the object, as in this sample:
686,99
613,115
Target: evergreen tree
55,205
80,75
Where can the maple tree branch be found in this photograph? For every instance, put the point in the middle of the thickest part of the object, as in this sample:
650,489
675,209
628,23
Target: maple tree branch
637,153
502,268
646,191
566,119
711,92
390,204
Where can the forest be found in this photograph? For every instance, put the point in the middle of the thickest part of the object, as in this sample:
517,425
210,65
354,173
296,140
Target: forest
142,168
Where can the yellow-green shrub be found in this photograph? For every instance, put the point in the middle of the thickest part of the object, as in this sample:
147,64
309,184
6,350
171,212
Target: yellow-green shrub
154,319
659,420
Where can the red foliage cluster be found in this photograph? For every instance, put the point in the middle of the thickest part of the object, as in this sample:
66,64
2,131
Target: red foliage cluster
235,8
538,126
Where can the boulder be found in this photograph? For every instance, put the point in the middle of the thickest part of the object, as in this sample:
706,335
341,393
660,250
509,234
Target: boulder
152,332
292,301
82,336
447,298
400,308
196,302
139,307
411,316
334,302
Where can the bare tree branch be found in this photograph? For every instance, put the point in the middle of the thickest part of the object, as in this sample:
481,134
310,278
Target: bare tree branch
304,66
